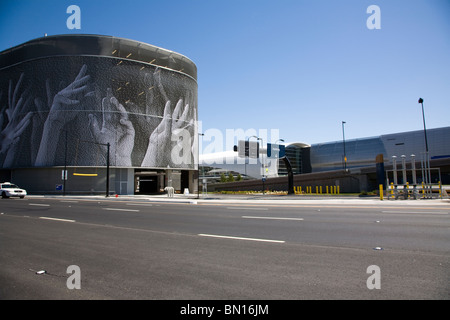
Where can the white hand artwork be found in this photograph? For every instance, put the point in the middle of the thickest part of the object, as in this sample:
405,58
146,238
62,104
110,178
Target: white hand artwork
115,129
160,141
16,125
62,111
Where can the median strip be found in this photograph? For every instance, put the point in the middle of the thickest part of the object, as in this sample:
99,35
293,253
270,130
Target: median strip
239,238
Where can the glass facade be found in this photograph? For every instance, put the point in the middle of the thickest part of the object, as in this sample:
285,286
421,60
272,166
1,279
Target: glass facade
363,152
299,157
359,153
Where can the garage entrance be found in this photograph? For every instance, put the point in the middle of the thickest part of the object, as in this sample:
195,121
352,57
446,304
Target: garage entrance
148,182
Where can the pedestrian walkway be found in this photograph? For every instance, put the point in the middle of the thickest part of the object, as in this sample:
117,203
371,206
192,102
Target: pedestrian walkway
258,199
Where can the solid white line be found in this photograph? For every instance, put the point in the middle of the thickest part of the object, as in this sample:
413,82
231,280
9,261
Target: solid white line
240,238
247,208
118,209
140,204
272,218
39,204
415,212
56,219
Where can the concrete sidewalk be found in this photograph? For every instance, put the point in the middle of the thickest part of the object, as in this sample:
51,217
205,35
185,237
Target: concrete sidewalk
257,199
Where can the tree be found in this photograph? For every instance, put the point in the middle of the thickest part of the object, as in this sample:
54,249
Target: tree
230,177
223,178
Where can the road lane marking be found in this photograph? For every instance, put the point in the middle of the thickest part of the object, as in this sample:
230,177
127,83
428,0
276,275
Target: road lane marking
39,204
273,218
119,209
247,208
140,204
56,219
415,212
239,238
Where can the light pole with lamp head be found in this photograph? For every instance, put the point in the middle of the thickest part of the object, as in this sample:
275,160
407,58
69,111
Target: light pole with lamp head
343,139
198,167
427,159
247,151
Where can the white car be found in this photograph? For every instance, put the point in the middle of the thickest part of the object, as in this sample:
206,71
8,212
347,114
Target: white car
7,189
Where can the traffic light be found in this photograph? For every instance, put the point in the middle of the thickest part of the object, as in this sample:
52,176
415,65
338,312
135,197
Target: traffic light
247,149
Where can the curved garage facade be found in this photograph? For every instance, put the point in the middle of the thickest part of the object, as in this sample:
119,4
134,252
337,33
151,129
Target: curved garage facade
65,98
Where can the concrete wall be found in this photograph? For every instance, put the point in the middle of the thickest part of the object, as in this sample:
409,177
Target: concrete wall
347,182
45,181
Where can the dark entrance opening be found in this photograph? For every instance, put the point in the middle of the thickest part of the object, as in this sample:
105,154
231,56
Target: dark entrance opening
184,180
148,185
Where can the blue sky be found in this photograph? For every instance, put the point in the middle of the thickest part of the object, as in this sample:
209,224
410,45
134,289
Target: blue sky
299,66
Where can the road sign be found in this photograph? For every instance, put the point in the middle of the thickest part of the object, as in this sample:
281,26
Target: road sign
276,150
248,149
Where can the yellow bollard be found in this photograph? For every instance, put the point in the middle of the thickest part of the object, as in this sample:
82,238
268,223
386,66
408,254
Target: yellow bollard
338,190
320,189
327,189
381,192
317,190
440,190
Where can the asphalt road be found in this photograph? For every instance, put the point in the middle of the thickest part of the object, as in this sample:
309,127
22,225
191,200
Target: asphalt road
159,250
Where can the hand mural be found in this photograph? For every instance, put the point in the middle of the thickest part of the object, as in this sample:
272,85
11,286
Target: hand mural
164,140
156,131
17,122
115,129
172,126
63,110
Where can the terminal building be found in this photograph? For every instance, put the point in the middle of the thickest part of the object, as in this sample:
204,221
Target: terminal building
95,114
324,163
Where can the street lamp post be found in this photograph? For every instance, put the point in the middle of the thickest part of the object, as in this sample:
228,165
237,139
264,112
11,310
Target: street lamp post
427,158
247,152
276,142
263,166
65,166
343,139
198,167
108,147
248,144
424,126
